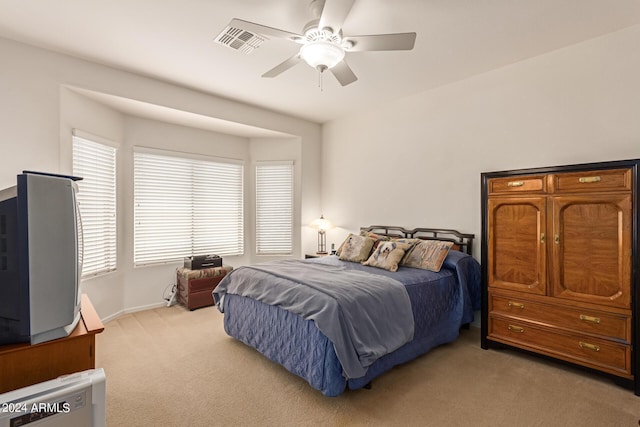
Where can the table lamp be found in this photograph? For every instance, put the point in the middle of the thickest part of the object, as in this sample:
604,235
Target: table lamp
322,225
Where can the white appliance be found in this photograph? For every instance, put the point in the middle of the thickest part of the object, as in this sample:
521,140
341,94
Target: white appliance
76,400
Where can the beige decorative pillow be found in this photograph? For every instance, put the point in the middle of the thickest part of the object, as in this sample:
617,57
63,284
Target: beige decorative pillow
411,242
428,255
356,248
387,255
377,237
364,233
374,236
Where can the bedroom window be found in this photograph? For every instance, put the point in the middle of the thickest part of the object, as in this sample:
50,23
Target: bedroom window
186,205
274,208
94,159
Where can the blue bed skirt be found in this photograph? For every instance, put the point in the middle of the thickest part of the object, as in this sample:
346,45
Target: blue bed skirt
303,350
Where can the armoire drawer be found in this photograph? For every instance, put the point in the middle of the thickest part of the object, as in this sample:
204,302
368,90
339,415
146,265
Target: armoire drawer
596,353
520,184
593,322
590,181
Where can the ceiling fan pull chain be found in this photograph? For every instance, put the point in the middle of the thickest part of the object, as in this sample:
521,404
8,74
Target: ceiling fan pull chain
321,69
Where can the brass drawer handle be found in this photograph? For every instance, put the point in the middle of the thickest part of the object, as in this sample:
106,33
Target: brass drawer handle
515,329
515,184
542,238
516,305
589,346
588,179
556,239
589,318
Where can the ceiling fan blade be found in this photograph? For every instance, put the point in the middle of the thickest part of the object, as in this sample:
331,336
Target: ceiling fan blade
281,68
343,73
334,13
399,41
265,31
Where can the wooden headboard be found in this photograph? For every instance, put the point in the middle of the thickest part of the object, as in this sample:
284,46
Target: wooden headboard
462,240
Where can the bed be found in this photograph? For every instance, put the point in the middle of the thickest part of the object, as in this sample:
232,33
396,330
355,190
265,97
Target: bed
293,312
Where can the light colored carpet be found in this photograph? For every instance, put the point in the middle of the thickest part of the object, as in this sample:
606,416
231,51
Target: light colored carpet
174,367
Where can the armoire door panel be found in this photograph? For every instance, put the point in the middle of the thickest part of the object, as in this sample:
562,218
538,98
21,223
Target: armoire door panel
517,253
592,249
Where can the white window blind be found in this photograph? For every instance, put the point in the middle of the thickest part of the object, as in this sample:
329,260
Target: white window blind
185,206
96,164
274,208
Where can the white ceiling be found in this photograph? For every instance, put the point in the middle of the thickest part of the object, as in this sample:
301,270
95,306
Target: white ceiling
172,40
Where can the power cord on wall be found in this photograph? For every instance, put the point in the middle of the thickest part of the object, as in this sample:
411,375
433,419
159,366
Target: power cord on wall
170,298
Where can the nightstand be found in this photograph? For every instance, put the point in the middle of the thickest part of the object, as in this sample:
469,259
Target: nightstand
196,286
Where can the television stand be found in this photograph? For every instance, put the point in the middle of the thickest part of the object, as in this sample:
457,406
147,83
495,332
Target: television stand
22,365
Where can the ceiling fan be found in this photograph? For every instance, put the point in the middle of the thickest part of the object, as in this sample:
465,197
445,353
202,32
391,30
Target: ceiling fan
323,44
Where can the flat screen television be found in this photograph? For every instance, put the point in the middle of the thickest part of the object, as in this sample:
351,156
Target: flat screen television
40,258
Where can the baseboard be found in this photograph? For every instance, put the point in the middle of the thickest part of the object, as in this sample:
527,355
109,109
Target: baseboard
133,310
113,316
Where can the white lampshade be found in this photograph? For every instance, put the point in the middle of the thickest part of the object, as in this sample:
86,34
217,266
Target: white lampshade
321,224
322,54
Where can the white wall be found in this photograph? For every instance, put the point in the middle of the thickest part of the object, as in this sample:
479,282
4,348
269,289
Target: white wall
145,285
413,162
38,111
417,161
107,292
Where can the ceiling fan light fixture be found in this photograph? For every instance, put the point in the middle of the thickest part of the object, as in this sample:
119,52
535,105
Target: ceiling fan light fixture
322,54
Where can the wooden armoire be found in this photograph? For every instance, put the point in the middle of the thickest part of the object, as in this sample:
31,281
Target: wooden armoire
561,265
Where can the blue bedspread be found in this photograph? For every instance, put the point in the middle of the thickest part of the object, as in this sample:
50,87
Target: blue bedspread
440,303
366,316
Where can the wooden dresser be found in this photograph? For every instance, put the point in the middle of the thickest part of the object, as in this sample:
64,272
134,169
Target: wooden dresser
22,365
561,264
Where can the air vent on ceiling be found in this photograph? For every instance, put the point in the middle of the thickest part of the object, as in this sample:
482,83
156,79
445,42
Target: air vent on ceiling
239,39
